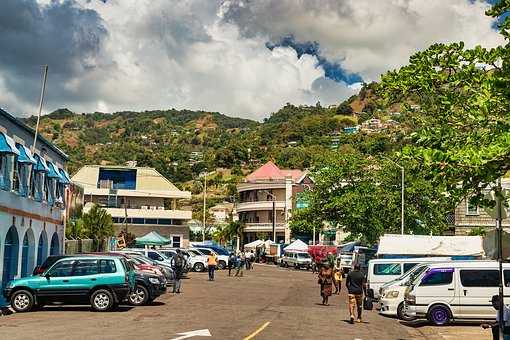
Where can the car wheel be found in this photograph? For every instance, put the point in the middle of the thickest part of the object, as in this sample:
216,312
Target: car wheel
222,265
198,267
401,315
102,300
439,315
139,297
296,266
22,301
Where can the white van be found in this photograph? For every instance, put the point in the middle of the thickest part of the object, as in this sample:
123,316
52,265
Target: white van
455,290
381,271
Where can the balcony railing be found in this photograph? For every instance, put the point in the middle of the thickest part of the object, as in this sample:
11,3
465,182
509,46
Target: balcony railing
259,205
256,227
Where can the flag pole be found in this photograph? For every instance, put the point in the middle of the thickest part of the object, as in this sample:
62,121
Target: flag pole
41,100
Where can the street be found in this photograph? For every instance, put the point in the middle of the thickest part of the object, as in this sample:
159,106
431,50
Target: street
267,303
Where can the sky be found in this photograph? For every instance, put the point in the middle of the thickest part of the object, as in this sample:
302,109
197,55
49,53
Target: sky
244,58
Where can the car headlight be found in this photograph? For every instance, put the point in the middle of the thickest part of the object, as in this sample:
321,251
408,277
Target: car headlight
153,280
392,294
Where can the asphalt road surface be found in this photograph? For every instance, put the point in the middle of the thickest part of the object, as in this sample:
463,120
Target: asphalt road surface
267,303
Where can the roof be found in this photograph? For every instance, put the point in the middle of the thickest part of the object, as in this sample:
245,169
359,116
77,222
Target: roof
297,245
32,132
270,171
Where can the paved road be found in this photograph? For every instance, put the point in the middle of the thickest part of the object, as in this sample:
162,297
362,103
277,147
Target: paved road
285,301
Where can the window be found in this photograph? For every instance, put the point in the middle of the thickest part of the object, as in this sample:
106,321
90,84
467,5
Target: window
205,251
86,267
117,179
151,221
138,221
479,278
166,221
155,256
176,241
107,266
15,175
409,266
472,208
62,268
436,277
387,269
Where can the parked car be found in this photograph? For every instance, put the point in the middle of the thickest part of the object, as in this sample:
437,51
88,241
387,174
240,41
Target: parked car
455,290
222,259
296,259
218,249
165,267
101,281
197,260
148,288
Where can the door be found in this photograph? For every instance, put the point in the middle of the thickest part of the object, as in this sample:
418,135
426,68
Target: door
477,286
57,284
438,286
85,276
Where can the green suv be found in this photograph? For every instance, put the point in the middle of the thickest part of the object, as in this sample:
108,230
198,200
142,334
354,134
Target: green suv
101,281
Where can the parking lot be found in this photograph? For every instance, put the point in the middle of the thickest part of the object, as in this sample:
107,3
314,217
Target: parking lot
267,303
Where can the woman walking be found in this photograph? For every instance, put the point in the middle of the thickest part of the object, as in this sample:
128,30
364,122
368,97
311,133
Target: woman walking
337,277
326,282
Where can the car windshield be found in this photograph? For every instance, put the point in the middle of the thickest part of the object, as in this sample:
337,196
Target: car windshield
418,270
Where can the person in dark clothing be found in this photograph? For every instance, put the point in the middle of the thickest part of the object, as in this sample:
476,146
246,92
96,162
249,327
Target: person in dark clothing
178,263
231,263
356,287
495,325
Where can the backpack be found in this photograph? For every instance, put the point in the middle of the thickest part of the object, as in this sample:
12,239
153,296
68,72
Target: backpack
178,262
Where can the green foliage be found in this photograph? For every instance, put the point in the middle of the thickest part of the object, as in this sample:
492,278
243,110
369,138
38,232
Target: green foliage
97,225
344,109
478,231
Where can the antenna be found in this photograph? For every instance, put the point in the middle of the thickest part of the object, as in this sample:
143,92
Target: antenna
41,100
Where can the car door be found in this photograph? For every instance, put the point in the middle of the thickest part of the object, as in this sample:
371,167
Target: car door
477,286
85,276
438,286
57,284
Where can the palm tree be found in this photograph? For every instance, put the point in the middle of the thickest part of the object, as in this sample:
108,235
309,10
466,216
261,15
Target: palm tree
98,225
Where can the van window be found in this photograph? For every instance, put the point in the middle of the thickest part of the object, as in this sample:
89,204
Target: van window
409,266
387,269
437,277
479,278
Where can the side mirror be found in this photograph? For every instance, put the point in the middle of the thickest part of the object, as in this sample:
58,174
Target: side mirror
47,276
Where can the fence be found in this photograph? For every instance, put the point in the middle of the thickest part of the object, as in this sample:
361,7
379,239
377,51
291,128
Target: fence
88,245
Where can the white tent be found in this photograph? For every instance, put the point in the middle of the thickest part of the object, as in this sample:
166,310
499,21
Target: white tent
297,245
424,245
254,244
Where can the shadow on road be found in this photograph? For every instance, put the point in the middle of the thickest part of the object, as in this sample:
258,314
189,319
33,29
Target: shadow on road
123,308
422,323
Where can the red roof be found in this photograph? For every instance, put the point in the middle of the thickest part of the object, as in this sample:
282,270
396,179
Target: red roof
270,171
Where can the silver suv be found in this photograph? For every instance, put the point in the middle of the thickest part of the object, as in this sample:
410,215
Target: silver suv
296,259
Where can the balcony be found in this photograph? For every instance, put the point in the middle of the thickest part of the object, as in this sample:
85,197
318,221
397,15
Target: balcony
148,213
259,205
263,227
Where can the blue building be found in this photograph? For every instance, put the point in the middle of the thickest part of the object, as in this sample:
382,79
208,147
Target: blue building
32,194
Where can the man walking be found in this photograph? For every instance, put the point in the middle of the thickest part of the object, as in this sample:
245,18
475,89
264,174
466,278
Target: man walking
231,262
239,265
178,262
356,287
212,261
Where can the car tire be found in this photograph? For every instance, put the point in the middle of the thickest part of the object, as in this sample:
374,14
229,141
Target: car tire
102,300
296,266
22,301
139,297
401,315
198,267
439,315
222,265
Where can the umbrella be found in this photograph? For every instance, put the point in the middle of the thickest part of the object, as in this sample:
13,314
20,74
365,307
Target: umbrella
152,239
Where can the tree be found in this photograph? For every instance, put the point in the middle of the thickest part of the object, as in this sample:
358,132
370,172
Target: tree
344,109
75,229
98,225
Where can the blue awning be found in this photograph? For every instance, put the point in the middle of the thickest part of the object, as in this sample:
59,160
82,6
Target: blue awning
25,156
65,176
41,164
53,171
7,144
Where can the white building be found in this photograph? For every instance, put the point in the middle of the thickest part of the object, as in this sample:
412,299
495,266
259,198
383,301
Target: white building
32,193
138,198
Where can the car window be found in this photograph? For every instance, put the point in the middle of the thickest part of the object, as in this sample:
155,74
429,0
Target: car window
436,277
304,255
479,278
108,266
409,266
387,269
86,267
205,251
62,268
155,256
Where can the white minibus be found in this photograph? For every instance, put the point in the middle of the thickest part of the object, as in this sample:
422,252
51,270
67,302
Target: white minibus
455,290
381,271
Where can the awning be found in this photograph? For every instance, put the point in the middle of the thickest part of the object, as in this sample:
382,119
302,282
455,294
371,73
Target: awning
152,239
53,171
65,176
41,164
7,144
25,155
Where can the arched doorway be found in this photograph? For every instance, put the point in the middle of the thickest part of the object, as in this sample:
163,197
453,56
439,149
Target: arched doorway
54,247
42,248
11,249
28,253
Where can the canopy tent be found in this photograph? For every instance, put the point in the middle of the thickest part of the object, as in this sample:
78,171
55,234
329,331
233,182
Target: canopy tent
424,245
254,244
152,239
297,245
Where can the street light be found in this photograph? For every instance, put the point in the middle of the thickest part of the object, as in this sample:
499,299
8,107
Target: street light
402,189
273,197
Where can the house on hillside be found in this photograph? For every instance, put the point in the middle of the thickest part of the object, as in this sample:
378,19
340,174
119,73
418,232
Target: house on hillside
257,193
222,212
139,199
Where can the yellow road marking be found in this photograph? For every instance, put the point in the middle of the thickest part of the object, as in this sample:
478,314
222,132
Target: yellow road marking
260,329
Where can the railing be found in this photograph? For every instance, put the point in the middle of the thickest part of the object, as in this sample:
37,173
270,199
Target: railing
260,205
255,227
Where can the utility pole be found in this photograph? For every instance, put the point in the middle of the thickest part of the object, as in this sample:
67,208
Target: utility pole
41,100
499,229
274,219
125,218
203,216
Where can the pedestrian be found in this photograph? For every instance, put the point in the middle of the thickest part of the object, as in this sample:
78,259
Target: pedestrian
247,261
231,262
326,283
356,287
212,261
239,265
178,262
338,276
495,325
